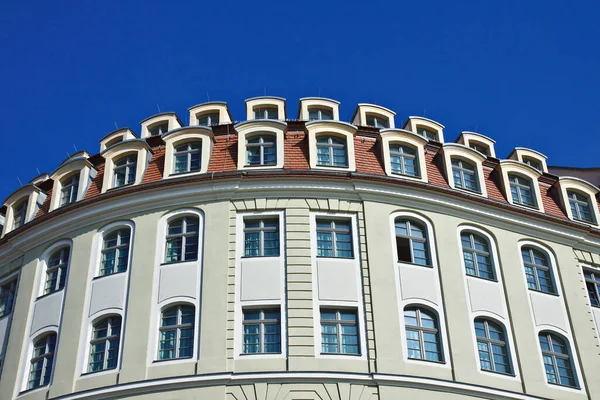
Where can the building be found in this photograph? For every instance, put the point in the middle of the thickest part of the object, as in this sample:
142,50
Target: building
300,259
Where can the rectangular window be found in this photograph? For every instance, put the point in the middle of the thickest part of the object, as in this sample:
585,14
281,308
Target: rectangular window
521,191
592,282
262,331
339,332
266,113
68,193
261,237
159,129
7,297
334,238
208,119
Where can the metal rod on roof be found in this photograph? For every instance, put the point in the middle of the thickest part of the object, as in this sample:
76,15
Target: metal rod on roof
158,108
75,147
116,126
20,183
207,97
38,170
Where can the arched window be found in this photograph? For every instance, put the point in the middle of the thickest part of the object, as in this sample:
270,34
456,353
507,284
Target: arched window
104,346
521,191
177,332
378,121
115,252
19,214
125,169
465,175
427,133
187,157
42,361
69,188
557,360
331,152
580,207
261,150
208,119
182,239
537,270
319,113
492,346
411,242
56,271
477,257
422,334
404,160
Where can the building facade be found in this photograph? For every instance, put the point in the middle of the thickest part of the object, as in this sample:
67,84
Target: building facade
295,259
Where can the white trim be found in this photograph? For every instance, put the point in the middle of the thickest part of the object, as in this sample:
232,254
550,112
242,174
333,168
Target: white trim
43,264
26,367
582,268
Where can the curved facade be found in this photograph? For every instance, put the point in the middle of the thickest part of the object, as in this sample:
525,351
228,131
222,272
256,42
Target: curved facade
299,259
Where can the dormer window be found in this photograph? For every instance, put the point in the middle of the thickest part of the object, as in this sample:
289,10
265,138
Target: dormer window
19,213
482,148
69,190
261,150
521,191
158,130
378,121
532,162
208,119
125,170
266,113
319,113
427,133
331,152
114,141
187,157
465,175
580,207
404,160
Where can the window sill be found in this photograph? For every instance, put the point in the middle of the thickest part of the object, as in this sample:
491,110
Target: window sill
478,192
176,174
428,361
178,262
120,187
260,354
564,386
172,360
248,257
542,292
332,166
342,354
102,371
485,279
49,294
398,174
338,258
35,389
505,374
414,264
260,165
107,275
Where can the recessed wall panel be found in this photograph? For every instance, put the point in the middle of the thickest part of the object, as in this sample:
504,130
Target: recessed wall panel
107,293
47,311
260,279
337,280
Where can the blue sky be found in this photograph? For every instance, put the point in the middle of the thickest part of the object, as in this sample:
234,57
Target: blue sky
525,73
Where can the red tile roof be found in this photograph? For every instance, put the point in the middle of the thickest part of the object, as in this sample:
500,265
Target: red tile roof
156,166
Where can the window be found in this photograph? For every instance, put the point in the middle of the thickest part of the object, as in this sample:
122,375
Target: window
533,163
334,238
427,134
404,160
177,332
537,270
465,175
104,346
521,190
580,207
492,347
20,211
266,113
411,242
422,337
209,119
182,240
339,332
42,361
159,129
316,114
261,237
7,297
125,169
476,254
557,361
482,148
115,252
377,121
187,157
69,188
262,331
592,282
261,150
331,152
56,272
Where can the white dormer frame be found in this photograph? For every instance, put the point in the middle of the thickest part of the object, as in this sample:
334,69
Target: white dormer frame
307,103
211,107
414,123
518,168
452,151
360,115
121,149
468,138
248,129
339,129
184,135
75,165
522,153
265,101
120,135
34,197
566,184
169,118
390,137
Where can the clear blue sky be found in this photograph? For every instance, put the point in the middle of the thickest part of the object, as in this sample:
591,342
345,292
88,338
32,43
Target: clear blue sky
525,73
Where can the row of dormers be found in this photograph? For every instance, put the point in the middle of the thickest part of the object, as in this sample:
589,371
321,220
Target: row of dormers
260,144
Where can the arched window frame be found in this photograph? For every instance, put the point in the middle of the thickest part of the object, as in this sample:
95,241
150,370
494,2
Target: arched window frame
308,104
523,155
259,104
78,164
44,265
474,139
251,129
459,152
552,267
168,119
168,305
113,154
567,185
163,229
116,136
572,356
492,251
364,112
510,167
438,331
45,357
181,136
31,197
489,342
210,108
110,317
416,124
119,248
412,239
399,137
340,130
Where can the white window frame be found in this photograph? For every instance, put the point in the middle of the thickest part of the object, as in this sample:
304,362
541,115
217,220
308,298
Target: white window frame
573,359
567,184
188,153
340,130
123,149
511,167
261,322
460,152
307,103
187,134
105,339
400,137
248,130
177,328
415,124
